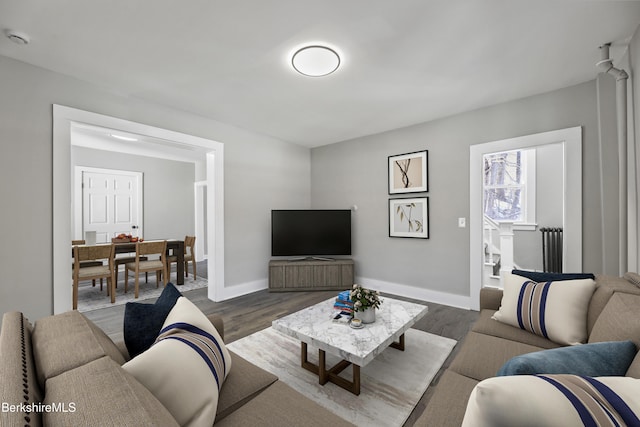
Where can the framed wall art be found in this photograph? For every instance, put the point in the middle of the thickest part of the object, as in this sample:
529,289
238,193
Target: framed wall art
408,173
409,218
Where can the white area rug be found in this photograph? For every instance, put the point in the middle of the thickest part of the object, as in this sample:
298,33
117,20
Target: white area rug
91,298
391,385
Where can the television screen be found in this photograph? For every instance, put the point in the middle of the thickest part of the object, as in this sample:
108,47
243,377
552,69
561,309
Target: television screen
310,232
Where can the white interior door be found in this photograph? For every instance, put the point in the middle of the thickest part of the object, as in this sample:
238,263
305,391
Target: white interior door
111,203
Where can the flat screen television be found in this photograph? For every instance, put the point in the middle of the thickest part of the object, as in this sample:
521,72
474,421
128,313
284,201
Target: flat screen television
302,233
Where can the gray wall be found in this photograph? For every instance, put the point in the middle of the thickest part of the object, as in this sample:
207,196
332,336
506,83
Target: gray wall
256,167
168,195
355,172
262,179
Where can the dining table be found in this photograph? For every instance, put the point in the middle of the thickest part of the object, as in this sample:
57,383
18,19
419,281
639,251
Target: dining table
175,248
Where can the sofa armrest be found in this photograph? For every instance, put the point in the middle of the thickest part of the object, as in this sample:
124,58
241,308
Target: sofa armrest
490,298
217,323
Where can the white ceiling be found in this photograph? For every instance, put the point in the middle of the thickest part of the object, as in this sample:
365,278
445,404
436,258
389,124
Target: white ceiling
403,61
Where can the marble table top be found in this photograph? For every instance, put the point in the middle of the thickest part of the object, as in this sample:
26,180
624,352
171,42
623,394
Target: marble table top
314,325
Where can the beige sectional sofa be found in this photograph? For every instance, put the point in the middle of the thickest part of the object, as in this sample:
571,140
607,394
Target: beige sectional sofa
65,371
613,315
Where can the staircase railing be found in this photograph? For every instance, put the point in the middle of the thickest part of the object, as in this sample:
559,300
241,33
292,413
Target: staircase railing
490,228
504,247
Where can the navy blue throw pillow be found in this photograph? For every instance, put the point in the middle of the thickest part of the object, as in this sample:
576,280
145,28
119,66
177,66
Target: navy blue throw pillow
599,359
541,277
142,322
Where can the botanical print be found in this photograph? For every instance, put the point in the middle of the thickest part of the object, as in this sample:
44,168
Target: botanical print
408,173
409,217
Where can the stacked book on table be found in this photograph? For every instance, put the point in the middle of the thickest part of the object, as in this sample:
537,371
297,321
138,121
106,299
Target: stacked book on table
343,308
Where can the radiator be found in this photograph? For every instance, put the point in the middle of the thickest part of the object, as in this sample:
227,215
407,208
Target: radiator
552,250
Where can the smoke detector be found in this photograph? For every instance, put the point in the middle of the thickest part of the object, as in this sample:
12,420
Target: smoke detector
17,37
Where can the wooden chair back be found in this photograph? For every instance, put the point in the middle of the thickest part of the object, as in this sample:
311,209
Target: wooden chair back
189,242
90,253
82,254
78,242
152,248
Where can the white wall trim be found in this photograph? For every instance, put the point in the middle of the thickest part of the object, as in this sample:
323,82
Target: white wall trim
199,187
64,119
571,139
407,291
215,232
244,289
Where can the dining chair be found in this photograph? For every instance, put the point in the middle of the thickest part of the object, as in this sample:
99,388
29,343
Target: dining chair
87,263
93,253
126,260
159,265
189,255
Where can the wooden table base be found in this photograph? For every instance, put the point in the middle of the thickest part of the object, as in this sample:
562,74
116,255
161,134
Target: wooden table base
332,374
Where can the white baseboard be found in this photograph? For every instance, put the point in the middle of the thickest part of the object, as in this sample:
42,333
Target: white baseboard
243,289
399,289
437,297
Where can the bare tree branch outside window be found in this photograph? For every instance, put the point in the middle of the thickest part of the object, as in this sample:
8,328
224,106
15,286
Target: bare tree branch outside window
504,185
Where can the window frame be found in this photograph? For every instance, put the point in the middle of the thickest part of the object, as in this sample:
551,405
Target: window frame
527,186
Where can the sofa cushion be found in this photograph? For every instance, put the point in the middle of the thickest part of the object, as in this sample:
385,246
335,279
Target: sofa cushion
481,356
633,278
243,383
634,369
186,367
620,320
606,286
280,405
102,393
554,310
554,400
66,341
593,360
449,401
489,326
539,276
142,322
18,383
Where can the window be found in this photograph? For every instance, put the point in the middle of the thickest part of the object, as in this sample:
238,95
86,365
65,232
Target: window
509,187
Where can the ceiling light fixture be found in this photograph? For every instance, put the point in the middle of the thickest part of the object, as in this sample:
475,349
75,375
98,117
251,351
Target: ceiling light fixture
16,37
315,61
124,138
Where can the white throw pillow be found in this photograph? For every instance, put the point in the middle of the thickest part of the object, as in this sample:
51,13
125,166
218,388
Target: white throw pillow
554,310
553,401
186,366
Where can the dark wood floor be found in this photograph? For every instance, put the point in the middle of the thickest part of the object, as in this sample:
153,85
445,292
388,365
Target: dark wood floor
250,313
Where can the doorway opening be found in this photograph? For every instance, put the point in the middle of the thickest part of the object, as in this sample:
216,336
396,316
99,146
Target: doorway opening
65,120
571,142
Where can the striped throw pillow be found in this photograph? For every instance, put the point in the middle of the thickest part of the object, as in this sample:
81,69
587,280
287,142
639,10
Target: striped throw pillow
203,343
554,310
186,366
554,400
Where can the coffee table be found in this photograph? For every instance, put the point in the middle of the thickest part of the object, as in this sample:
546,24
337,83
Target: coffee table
357,347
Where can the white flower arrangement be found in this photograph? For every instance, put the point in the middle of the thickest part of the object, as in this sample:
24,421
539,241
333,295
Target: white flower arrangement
363,298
